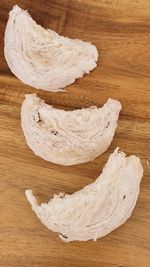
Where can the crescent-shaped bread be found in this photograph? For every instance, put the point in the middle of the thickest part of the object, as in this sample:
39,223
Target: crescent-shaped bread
97,209
41,57
68,137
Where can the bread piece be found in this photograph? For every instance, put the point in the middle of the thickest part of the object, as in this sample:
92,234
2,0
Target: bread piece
97,209
41,57
68,137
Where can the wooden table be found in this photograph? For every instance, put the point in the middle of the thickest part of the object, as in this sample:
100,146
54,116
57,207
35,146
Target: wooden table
121,32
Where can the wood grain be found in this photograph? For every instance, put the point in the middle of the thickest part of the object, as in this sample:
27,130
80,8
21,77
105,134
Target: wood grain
120,30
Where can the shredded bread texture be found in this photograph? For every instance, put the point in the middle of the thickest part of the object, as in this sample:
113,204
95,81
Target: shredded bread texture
68,137
97,209
42,58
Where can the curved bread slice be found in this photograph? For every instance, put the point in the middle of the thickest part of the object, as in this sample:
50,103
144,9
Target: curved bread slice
68,137
42,58
98,208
